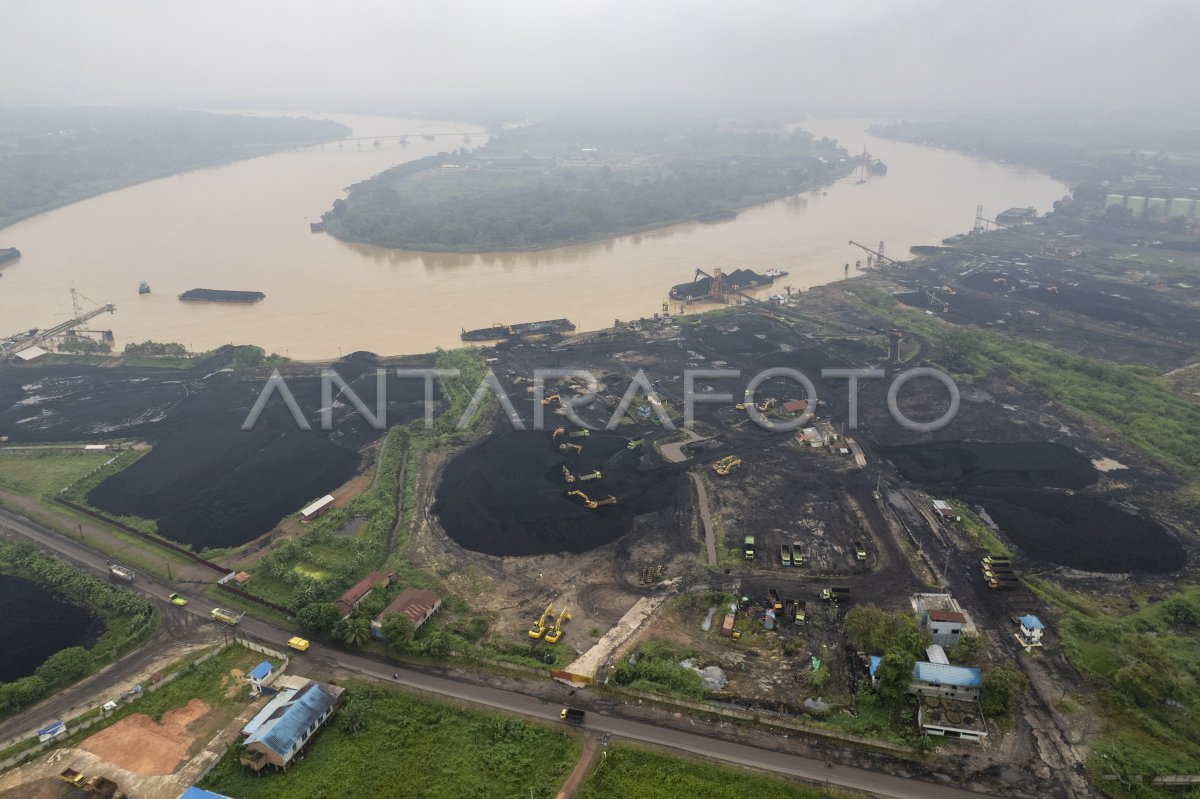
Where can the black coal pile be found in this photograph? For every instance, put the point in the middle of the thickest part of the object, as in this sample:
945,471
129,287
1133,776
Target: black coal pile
38,622
206,482
508,495
1082,532
1037,464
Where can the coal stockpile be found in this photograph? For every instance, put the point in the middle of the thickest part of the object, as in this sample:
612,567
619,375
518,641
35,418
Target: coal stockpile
221,295
508,496
702,286
1082,532
206,482
37,622
1037,464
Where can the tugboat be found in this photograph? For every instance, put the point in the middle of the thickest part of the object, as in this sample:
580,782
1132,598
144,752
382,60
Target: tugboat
143,287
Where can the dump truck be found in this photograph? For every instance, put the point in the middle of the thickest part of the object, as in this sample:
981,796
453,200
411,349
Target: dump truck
789,608
776,602
595,475
785,555
118,572
992,573
1003,584
226,616
835,594
579,433
748,546
860,553
72,777
102,787
637,442
797,555
572,715
801,606
996,560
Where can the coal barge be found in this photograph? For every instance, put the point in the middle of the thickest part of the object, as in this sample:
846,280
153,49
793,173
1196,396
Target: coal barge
9,254
701,287
498,331
218,295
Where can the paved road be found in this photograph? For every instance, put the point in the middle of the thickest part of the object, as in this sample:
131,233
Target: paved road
597,722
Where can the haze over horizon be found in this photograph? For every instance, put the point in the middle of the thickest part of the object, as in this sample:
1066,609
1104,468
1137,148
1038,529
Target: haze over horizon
1093,58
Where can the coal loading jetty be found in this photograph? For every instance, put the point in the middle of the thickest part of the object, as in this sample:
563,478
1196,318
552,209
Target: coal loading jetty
498,331
219,295
701,287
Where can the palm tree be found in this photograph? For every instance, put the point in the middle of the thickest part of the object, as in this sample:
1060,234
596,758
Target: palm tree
358,631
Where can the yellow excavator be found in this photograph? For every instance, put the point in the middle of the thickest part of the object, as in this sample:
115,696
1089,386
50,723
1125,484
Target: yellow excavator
763,406
727,464
592,503
569,447
551,399
570,478
539,627
555,631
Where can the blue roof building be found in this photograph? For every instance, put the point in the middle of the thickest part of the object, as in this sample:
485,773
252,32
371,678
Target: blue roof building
1030,634
281,729
199,793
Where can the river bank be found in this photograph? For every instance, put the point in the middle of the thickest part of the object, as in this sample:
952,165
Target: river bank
246,224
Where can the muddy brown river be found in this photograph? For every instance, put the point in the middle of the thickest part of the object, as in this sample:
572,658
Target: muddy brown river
244,226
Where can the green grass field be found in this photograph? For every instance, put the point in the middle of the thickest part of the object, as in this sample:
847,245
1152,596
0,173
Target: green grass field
45,471
409,747
628,771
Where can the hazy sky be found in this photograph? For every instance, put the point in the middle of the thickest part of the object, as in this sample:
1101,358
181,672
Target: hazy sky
537,55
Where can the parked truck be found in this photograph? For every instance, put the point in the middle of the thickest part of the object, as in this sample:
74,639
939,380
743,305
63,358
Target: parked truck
72,777
748,545
1003,584
797,555
118,572
572,715
785,555
103,787
776,602
835,594
226,616
801,606
860,553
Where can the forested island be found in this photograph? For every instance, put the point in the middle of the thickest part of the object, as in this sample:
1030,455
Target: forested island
562,182
51,157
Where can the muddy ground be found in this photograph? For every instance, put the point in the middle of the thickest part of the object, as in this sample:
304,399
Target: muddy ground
206,482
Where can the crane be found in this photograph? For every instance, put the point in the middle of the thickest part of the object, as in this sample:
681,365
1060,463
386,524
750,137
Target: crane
26,339
880,258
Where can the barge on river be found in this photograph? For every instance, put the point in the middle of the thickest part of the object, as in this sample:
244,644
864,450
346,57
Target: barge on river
500,331
218,295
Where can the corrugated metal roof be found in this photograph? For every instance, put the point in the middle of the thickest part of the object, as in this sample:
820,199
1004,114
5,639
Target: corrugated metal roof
289,725
942,674
937,654
947,616
261,670
1032,622
199,793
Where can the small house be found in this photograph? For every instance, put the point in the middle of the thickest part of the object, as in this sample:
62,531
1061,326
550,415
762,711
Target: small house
261,676
1030,632
945,626
348,601
416,604
314,510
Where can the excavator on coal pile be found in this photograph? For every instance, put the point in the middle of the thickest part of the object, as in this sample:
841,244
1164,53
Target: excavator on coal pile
570,478
568,447
551,399
727,464
763,406
593,503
